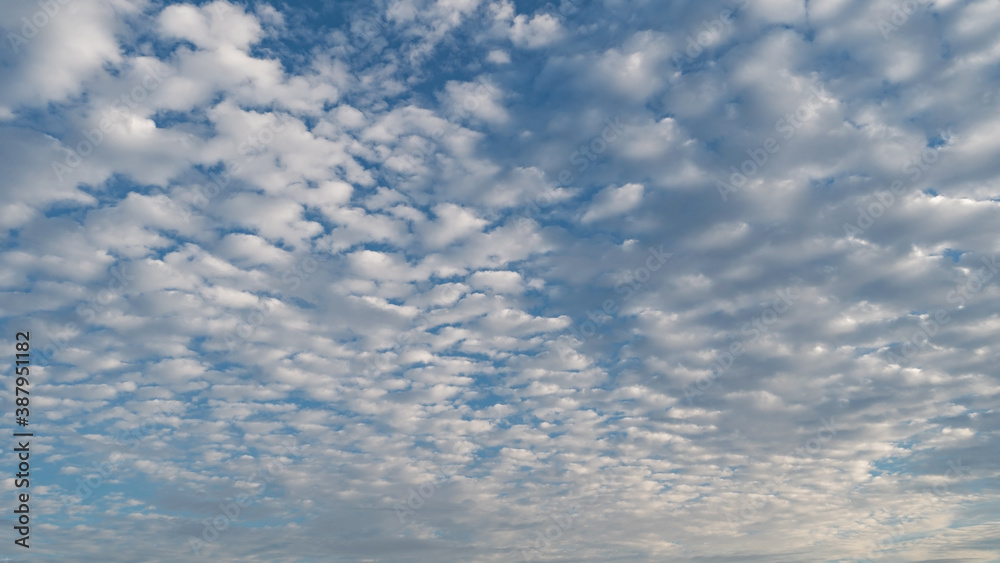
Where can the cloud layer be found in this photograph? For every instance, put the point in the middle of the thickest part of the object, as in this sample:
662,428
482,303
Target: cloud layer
476,280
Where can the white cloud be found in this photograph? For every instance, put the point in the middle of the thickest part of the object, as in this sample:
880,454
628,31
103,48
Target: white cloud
401,282
538,31
212,26
613,201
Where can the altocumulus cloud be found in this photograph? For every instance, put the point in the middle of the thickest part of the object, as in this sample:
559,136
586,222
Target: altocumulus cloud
308,281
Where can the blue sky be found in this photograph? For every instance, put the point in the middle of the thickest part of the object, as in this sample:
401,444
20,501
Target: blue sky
482,280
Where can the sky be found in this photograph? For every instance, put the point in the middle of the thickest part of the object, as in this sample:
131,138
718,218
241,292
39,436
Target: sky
486,280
